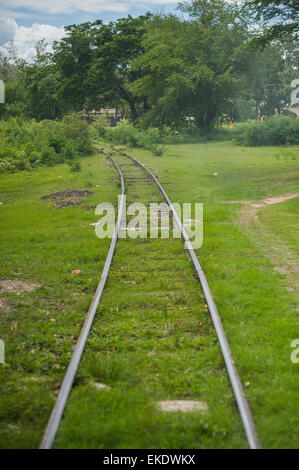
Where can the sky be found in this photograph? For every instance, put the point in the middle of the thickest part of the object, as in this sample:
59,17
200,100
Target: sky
26,21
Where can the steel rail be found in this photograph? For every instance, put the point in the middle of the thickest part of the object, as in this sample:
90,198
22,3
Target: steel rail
57,411
241,400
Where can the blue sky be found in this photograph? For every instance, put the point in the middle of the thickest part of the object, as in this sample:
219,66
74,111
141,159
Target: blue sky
26,21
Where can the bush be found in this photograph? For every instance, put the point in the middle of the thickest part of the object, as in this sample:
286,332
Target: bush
74,127
75,166
157,150
48,156
155,139
25,145
126,134
278,130
84,147
98,129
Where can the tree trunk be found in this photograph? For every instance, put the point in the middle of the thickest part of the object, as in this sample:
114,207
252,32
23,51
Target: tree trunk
146,106
133,111
126,96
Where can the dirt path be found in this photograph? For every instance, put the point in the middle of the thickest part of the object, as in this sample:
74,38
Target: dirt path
252,207
283,259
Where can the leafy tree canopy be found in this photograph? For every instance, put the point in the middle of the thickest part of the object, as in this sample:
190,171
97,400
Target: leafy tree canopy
94,62
281,18
190,64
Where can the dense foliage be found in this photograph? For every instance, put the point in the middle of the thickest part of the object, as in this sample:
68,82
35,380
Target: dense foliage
157,69
191,71
281,18
27,144
154,138
278,130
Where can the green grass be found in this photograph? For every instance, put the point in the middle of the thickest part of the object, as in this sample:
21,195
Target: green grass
152,338
258,313
283,221
42,244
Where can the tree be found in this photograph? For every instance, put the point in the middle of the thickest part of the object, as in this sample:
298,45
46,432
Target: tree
40,81
9,63
189,65
10,66
264,81
280,18
94,62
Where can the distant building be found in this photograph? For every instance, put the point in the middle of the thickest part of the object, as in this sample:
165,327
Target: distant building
113,115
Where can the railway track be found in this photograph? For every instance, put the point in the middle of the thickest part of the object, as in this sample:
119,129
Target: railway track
129,170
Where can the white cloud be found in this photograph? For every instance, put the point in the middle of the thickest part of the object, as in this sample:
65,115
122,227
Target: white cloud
71,6
25,38
8,28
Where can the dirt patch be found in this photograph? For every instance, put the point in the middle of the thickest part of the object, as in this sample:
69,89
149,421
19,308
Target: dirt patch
251,207
285,262
17,287
5,305
235,202
68,198
71,193
275,200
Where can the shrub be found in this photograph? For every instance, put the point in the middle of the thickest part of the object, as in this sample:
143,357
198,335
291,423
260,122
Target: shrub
278,130
48,156
75,166
125,134
155,139
27,144
84,147
157,150
70,151
74,127
98,129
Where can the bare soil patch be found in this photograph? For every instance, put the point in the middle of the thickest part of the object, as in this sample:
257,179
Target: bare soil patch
251,207
275,200
15,286
5,305
68,198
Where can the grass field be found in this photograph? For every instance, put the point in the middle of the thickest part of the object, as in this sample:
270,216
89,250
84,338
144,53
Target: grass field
153,339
